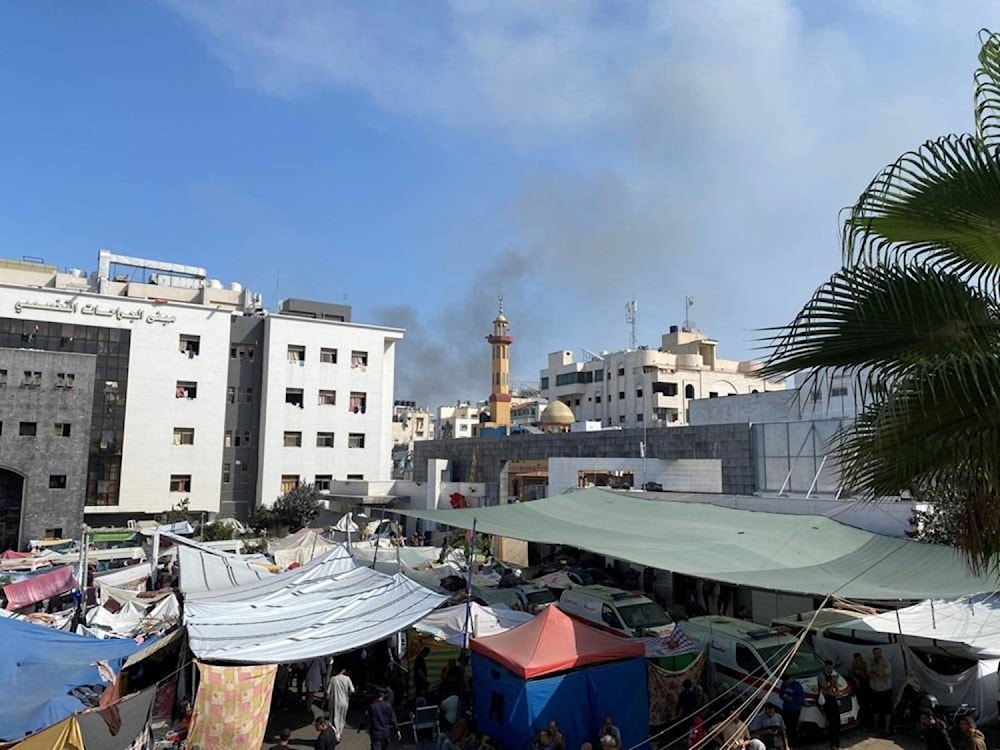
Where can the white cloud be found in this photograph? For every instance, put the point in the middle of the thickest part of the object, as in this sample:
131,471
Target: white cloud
712,143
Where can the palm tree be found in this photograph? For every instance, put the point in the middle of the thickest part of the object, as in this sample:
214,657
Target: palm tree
914,317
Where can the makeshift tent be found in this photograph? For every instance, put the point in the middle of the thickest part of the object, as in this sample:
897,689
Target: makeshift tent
65,735
554,668
413,557
39,667
129,577
811,555
967,628
207,570
39,587
326,607
448,624
305,545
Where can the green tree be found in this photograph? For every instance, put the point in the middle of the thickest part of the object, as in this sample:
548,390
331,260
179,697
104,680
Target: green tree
215,532
913,316
292,511
941,522
179,512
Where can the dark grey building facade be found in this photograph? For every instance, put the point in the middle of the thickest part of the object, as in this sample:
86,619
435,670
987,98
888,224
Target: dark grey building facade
243,400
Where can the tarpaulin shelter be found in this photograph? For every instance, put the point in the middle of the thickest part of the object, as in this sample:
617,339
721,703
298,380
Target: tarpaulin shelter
39,667
39,587
448,624
818,556
326,607
967,628
305,545
204,570
555,668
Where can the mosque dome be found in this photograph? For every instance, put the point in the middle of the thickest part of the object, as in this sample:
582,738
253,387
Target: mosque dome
556,414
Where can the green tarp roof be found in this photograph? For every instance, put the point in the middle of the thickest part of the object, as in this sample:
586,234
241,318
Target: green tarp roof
802,554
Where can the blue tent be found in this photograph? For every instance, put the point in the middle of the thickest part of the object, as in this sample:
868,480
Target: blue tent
39,667
554,668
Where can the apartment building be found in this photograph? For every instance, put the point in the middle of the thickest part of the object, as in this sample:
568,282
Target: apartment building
127,391
649,387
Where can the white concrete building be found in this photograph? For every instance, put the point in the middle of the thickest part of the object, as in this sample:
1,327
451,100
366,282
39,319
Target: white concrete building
188,378
526,411
649,387
411,423
460,420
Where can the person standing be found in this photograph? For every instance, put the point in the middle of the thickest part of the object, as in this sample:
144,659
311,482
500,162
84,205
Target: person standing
935,733
339,700
973,737
829,685
880,684
857,675
769,728
327,738
792,697
380,721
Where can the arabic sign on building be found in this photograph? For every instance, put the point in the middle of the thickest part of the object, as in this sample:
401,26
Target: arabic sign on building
119,313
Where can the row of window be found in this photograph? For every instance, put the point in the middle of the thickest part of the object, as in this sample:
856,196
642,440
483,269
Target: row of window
293,439
190,346
182,482
322,482
33,379
665,389
357,405
30,429
297,354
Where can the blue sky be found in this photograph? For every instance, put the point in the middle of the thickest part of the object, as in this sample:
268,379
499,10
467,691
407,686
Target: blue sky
417,159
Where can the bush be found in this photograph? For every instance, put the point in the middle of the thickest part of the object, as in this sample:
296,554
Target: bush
215,532
294,510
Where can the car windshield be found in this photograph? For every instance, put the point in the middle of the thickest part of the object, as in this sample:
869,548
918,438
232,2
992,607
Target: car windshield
805,663
541,597
643,615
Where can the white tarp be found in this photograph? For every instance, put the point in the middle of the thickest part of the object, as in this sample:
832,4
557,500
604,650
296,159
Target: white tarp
204,570
324,608
414,557
136,617
129,577
448,624
304,546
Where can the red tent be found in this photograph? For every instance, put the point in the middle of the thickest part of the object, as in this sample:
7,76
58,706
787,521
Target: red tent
554,642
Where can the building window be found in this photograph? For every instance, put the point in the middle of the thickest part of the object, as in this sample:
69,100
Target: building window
294,397
621,372
576,402
323,482
289,482
357,477
328,356
689,391
241,352
3,378
227,441
621,418
28,429
324,439
838,391
243,438
183,436
545,384
666,389
359,359
180,482
244,395
65,381
227,473
31,379
599,375
463,427
639,417
327,398
61,429
293,440
185,389
55,533
57,481
244,474
621,395
638,392
597,399
356,440
190,346
296,353
359,402
231,394
713,394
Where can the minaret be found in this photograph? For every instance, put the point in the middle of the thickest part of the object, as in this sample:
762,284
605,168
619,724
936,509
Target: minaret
500,341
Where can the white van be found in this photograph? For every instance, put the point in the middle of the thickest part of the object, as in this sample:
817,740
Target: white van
616,611
528,598
744,654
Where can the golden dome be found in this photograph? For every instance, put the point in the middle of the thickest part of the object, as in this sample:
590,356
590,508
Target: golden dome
556,413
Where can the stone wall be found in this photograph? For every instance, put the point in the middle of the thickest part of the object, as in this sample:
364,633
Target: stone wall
482,459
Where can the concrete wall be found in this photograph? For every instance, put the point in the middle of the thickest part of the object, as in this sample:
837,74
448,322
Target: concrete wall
676,475
37,458
728,444
773,406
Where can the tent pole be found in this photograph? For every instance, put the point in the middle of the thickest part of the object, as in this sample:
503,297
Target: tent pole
155,557
902,646
377,535
350,520
468,591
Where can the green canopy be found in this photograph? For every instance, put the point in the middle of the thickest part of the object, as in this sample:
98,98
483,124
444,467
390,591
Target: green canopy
810,555
112,536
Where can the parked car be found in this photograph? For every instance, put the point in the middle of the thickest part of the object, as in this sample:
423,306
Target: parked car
614,610
653,487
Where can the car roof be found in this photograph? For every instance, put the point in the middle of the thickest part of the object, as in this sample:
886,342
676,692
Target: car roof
609,594
825,618
759,635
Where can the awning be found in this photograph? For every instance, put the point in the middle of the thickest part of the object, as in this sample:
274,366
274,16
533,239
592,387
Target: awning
324,608
205,571
112,536
39,587
811,555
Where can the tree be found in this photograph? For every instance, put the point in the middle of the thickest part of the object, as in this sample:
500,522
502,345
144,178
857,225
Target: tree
179,512
941,522
913,316
215,532
293,510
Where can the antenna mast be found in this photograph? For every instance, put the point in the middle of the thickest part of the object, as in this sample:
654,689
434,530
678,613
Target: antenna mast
632,317
688,323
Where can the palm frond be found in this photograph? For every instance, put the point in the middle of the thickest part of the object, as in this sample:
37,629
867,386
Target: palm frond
883,320
988,90
938,205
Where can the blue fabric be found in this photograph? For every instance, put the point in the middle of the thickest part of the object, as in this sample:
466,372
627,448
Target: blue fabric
577,701
39,666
